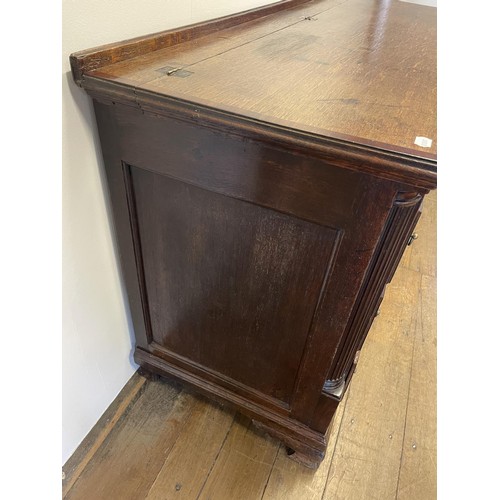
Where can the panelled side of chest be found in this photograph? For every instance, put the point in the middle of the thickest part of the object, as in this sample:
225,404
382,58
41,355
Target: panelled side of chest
243,261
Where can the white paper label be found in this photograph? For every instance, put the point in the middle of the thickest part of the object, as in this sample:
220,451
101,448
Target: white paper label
425,142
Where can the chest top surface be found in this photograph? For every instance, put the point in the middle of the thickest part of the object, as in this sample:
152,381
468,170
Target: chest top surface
361,71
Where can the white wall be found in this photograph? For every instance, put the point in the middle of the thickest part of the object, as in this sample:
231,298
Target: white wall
97,332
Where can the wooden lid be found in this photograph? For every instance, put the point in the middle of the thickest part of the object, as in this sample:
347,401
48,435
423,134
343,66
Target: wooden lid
360,71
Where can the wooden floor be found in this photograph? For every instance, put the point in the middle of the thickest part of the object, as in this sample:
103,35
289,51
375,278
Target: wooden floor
157,441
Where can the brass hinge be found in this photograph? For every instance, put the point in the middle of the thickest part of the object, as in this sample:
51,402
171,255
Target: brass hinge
178,71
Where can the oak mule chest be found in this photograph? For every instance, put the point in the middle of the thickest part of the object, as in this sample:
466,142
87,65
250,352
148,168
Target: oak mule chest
266,171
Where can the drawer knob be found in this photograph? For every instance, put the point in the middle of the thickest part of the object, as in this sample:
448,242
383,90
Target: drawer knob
412,238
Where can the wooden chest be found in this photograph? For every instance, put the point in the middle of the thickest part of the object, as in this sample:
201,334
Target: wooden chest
266,171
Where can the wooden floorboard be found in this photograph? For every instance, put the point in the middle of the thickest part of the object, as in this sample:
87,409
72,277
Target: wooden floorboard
291,481
158,441
191,460
244,464
132,455
117,410
417,478
368,453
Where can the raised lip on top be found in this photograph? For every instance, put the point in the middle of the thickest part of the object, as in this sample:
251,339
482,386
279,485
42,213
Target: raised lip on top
88,60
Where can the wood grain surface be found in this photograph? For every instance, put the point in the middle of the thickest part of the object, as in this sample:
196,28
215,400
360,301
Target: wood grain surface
170,444
248,260
290,480
92,442
190,461
368,451
127,463
354,69
247,453
251,277
91,59
418,473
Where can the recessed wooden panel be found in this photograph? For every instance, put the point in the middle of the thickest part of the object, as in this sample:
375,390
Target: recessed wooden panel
230,285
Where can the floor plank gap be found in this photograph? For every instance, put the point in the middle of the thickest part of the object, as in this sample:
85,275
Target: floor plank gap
409,388
215,460
271,471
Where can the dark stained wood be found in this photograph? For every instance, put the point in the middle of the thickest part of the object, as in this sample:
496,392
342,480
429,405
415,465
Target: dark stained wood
264,413
326,406
397,231
251,298
336,210
108,133
341,151
370,211
255,238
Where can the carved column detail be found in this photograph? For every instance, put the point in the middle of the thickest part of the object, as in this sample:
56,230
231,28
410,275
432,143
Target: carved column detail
400,223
